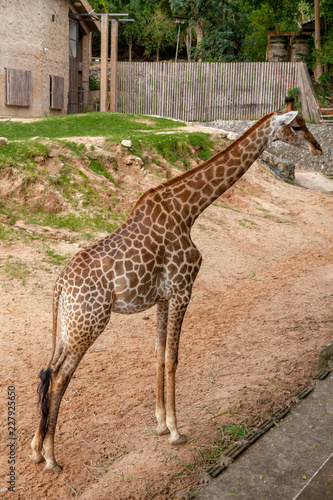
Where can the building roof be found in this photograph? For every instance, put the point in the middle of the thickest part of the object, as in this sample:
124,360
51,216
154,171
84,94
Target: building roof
309,27
84,13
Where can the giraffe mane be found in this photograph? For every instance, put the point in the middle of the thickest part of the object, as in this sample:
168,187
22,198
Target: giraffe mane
189,173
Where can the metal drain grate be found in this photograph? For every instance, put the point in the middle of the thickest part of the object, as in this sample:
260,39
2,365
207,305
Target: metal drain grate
236,449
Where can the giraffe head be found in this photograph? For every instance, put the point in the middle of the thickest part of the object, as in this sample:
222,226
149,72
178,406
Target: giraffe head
291,129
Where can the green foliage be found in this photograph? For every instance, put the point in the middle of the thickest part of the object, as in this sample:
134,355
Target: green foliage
295,93
94,83
220,30
159,33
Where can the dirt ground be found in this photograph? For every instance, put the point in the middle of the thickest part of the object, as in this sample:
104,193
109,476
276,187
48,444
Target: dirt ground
261,311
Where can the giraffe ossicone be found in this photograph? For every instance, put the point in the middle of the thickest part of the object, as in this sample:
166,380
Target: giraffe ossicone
150,259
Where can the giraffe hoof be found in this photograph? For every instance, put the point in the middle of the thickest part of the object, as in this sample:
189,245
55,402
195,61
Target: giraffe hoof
180,440
162,431
52,468
36,459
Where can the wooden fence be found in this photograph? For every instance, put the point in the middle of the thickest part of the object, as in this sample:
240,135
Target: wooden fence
211,91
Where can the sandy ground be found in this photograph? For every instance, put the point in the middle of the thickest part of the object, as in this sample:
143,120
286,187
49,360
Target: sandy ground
314,180
261,311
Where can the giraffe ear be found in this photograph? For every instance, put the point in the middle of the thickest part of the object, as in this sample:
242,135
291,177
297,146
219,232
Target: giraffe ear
286,118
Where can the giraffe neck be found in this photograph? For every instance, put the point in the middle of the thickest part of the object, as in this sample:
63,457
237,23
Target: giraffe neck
185,197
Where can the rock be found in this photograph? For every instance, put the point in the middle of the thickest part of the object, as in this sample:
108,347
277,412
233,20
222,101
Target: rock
138,161
4,141
110,157
184,495
34,138
204,478
95,154
129,160
39,159
53,152
325,358
54,178
285,167
127,144
146,158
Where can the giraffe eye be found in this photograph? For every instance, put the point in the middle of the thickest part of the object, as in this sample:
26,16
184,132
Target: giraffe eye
296,128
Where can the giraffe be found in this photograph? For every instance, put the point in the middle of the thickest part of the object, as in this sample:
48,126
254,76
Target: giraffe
150,259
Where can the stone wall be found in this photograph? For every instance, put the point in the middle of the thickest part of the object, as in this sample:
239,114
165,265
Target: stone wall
289,155
31,41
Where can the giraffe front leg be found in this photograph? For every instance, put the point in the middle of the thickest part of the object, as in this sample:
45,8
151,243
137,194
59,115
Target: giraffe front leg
162,323
177,309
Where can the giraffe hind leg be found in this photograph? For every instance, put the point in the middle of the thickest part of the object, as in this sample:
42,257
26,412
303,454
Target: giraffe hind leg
62,376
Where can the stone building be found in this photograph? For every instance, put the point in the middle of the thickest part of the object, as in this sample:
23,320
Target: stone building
44,56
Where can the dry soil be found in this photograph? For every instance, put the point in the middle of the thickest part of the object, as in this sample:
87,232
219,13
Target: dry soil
261,311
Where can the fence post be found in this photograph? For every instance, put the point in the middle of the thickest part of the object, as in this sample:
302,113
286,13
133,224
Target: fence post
162,91
209,82
114,58
104,62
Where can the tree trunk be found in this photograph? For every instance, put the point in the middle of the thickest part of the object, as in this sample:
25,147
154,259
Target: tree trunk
157,54
200,34
318,71
188,42
130,45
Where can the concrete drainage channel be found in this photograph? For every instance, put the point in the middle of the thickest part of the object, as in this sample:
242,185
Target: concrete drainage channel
293,461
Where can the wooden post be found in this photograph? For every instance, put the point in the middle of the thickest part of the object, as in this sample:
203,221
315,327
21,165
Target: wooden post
104,62
90,48
114,58
318,71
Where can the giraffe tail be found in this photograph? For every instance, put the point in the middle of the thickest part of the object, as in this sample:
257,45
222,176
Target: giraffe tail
44,402
43,389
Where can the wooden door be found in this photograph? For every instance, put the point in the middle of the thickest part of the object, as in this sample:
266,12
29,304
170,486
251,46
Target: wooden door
73,88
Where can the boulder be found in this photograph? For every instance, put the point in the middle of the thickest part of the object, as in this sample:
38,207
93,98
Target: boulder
4,141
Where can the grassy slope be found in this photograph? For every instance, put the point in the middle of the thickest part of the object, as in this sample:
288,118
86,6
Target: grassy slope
74,200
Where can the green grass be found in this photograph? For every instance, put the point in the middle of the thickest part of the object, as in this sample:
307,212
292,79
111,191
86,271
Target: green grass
15,268
118,125
77,223
55,258
4,233
93,206
174,147
98,167
22,154
204,457
114,127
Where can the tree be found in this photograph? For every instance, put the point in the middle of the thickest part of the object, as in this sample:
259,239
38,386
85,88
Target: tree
159,34
219,27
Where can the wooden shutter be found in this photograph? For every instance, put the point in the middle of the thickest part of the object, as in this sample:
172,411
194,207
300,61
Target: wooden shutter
18,87
57,92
